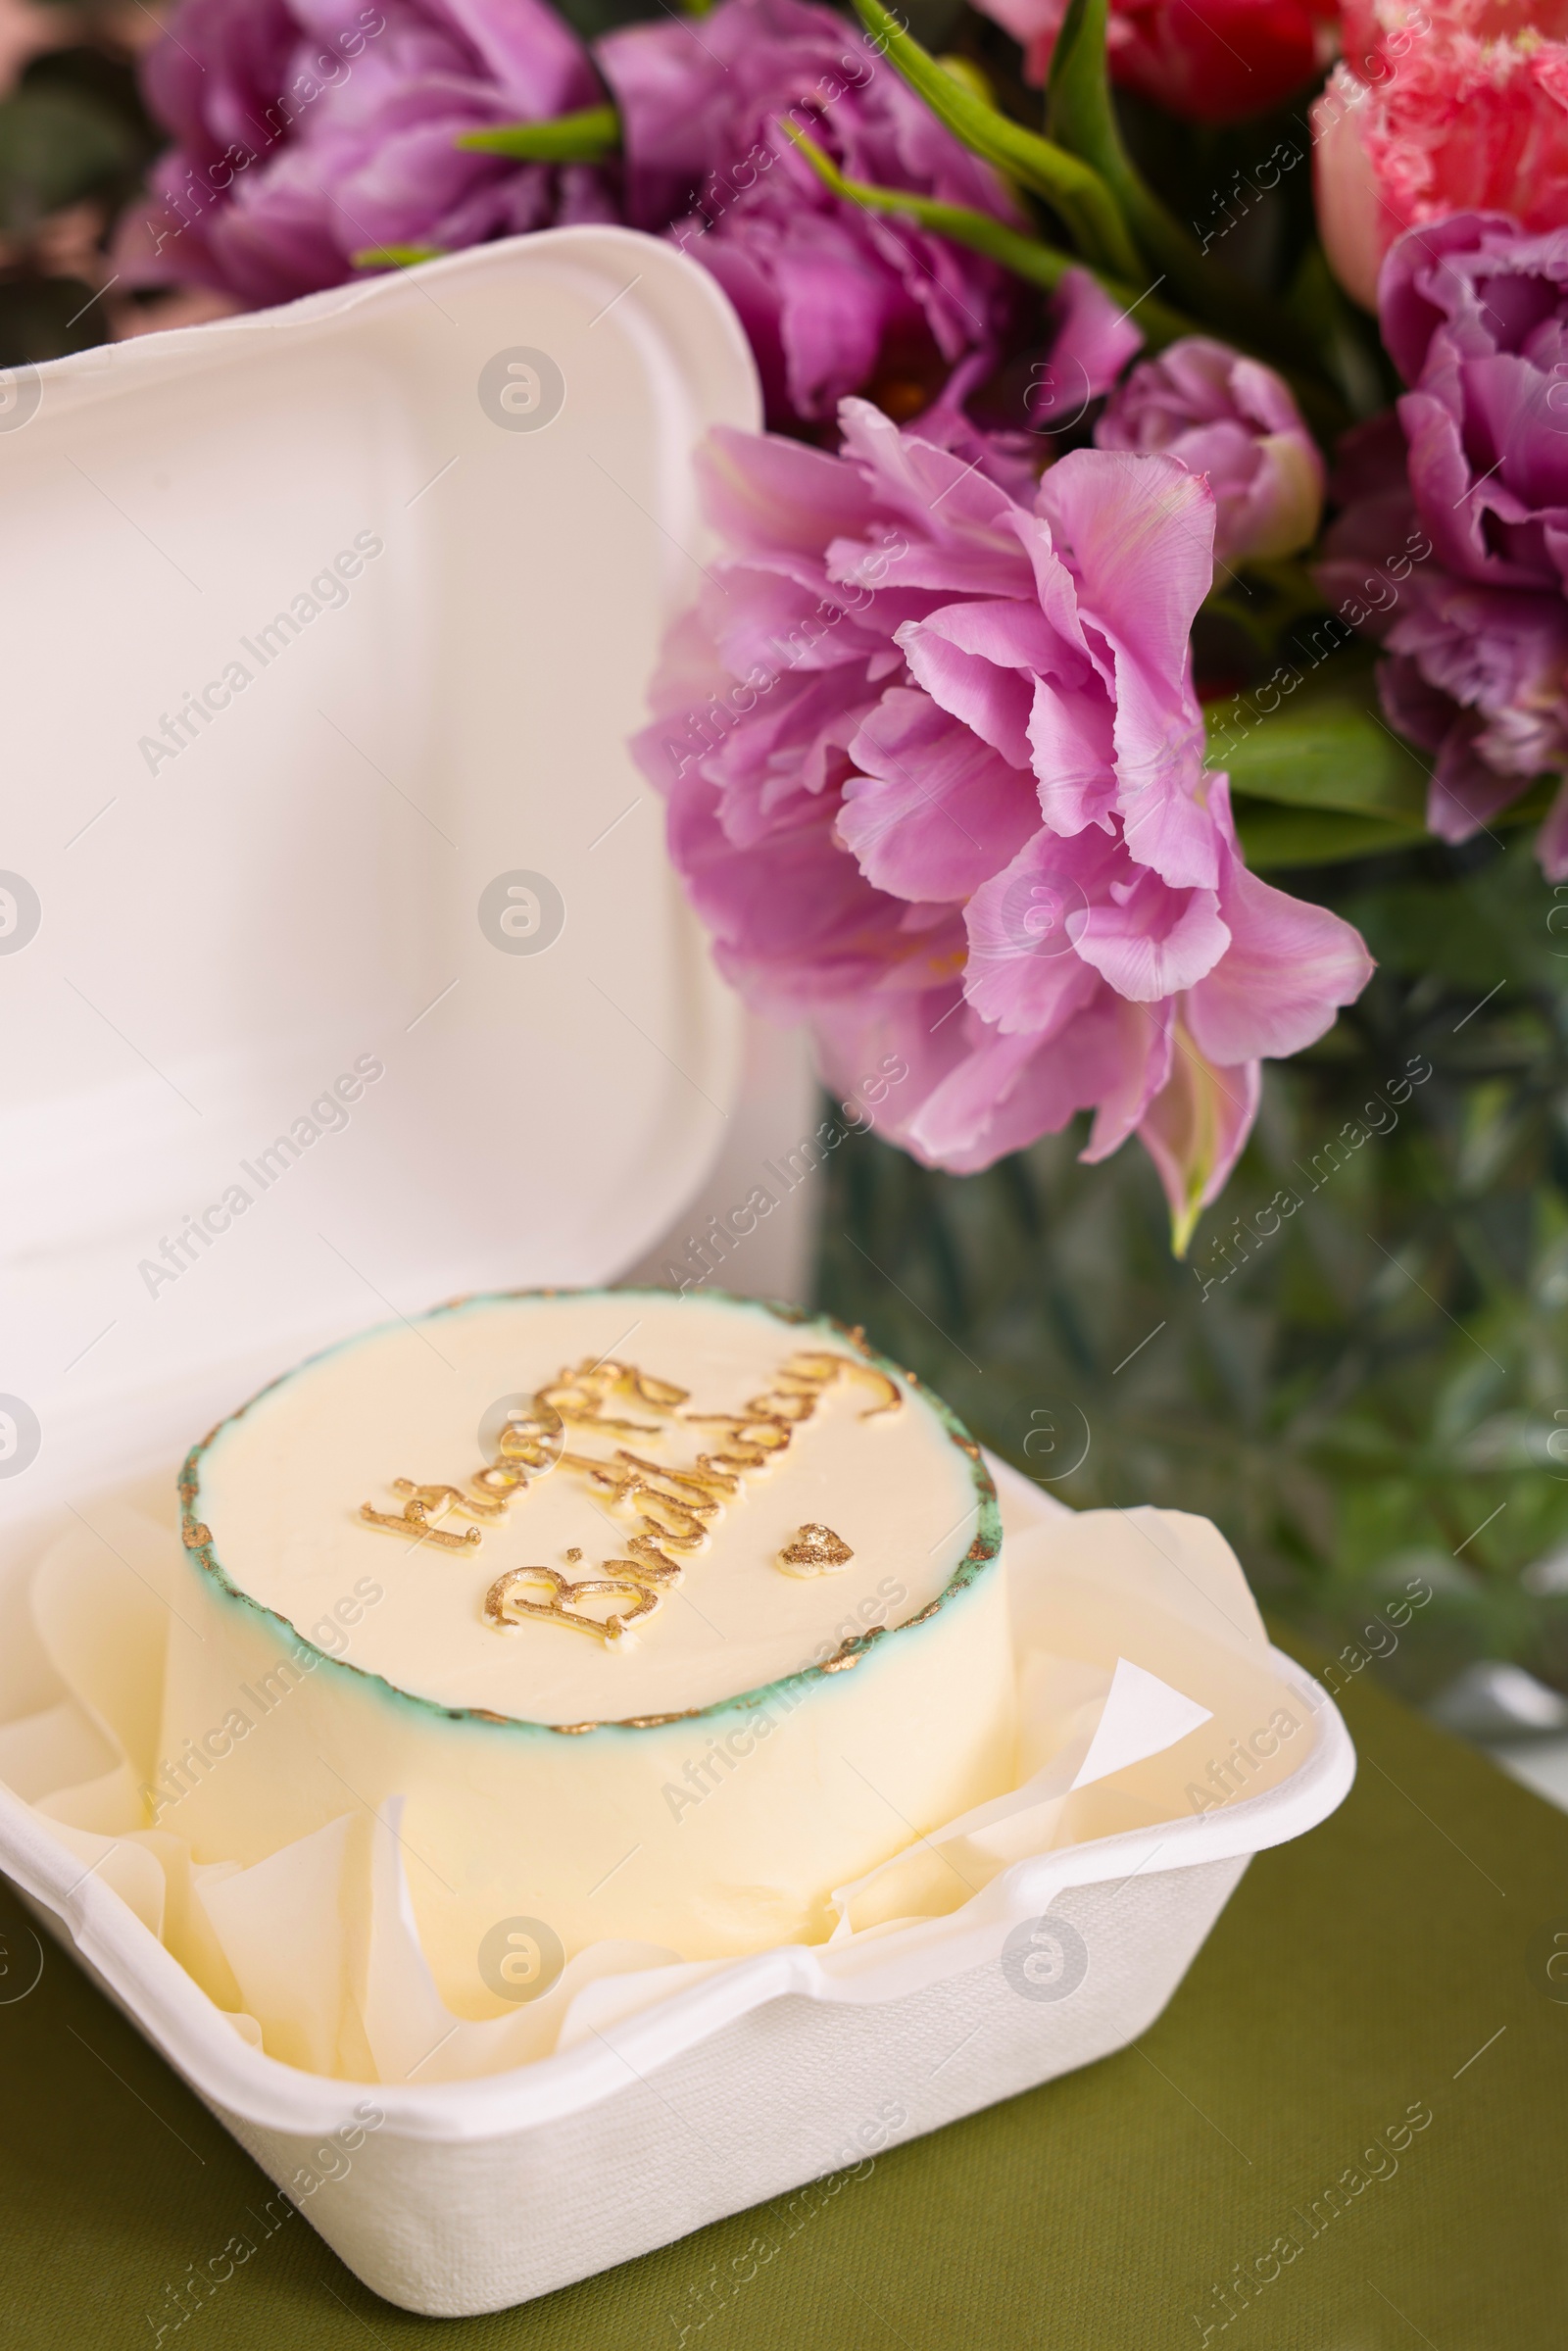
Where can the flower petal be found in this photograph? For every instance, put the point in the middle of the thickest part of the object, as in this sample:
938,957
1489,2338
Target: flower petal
1289,968
1139,535
1024,971
1193,1131
976,660
761,492
1073,739
934,811
1156,942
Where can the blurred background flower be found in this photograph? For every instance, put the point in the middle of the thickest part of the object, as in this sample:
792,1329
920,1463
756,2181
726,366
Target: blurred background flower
1233,421
1217,62
305,135
1474,313
1440,107
833,298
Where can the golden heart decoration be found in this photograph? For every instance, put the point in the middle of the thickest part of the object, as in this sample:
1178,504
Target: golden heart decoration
815,1550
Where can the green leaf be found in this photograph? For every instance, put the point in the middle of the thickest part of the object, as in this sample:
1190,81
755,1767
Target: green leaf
587,137
57,146
1073,189
1026,257
1078,107
1276,836
1325,746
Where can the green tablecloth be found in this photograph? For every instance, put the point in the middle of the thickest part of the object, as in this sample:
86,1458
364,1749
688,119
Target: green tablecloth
1392,1960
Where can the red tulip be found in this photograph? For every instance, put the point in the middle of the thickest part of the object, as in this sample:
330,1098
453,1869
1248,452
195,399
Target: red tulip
1210,62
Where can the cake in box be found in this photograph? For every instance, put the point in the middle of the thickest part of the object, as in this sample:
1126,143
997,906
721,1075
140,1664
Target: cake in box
664,1617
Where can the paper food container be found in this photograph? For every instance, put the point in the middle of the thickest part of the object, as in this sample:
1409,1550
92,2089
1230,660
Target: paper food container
330,626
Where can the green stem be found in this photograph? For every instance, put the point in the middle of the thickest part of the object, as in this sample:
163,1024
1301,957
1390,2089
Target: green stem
397,256
587,137
1072,188
1026,257
1079,113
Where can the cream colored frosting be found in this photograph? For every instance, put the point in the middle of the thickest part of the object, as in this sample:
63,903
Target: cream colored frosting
768,1737
282,1486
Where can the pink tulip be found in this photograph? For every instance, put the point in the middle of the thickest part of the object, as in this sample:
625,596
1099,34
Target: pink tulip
935,777
1233,421
1447,107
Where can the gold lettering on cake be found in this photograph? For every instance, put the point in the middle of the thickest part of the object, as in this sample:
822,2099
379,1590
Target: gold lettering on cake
505,1607
702,1483
449,1497
651,1564
823,1369
412,1520
670,1502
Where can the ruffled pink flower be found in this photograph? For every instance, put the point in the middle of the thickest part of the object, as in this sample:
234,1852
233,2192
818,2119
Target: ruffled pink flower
1233,421
935,777
1217,61
832,297
309,130
1440,107
1472,475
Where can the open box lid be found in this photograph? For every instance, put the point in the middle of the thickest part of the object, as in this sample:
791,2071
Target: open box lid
341,966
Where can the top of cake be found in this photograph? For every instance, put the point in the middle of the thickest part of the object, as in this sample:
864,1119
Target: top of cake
594,1507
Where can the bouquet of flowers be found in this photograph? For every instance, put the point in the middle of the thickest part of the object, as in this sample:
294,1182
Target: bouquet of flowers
1139,660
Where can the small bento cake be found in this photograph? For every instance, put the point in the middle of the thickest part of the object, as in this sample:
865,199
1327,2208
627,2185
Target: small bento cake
663,1617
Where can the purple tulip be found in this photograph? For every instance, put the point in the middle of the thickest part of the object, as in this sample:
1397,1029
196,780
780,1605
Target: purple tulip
1474,313
1472,473
1233,421
834,299
935,777
1476,675
310,131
